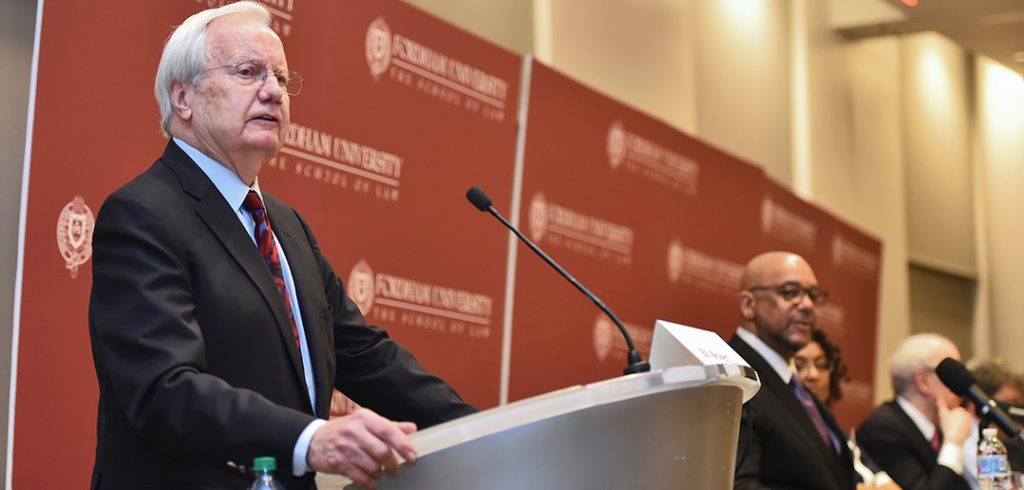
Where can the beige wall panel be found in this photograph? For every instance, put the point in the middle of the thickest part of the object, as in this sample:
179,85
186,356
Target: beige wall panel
875,94
940,222
743,80
1000,114
508,23
639,52
943,304
833,175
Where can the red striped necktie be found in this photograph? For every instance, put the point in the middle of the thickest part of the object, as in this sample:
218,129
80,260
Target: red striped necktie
268,249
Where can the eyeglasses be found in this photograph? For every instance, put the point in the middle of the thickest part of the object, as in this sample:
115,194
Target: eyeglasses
794,292
820,364
252,72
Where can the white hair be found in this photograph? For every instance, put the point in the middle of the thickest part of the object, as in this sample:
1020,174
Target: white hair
185,54
921,351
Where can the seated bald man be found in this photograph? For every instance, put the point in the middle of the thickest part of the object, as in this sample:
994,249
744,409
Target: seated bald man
794,442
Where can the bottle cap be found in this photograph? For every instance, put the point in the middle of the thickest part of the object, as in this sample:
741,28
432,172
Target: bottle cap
989,432
265,463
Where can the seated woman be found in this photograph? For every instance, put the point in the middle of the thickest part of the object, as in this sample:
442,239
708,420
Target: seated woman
820,367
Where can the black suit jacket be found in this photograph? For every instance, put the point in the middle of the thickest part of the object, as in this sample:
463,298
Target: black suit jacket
193,349
1015,453
895,443
784,449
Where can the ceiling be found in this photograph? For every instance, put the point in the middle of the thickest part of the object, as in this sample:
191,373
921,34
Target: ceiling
993,28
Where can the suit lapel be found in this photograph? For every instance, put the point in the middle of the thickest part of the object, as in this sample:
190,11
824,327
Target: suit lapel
309,290
223,222
922,447
833,426
795,411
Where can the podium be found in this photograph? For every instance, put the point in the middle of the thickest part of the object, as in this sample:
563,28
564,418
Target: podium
667,429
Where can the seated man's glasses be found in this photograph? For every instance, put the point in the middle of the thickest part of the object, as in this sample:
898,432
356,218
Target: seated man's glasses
794,292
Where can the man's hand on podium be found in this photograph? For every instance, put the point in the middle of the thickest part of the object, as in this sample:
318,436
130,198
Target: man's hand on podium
360,445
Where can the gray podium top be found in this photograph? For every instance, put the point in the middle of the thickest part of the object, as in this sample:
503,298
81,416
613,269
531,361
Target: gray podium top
648,430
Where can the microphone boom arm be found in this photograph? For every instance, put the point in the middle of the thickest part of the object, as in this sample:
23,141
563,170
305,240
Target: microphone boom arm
636,363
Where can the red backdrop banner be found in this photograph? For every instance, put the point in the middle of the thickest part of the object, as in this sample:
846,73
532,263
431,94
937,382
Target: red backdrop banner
655,222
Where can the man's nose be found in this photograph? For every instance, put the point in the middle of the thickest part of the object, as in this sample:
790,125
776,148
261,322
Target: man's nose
270,90
806,303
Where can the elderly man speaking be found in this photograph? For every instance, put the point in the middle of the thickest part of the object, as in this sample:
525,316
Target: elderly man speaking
218,328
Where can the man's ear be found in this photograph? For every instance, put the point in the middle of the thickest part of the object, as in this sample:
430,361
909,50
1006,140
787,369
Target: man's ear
921,383
747,302
181,99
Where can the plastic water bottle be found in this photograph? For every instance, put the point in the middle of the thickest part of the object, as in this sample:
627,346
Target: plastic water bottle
264,469
993,467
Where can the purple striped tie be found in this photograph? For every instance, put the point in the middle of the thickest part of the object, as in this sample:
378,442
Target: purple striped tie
807,400
268,249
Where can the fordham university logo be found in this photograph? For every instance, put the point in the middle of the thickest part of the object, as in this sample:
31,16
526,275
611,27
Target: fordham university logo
538,216
361,287
604,337
767,211
74,234
378,47
675,261
616,144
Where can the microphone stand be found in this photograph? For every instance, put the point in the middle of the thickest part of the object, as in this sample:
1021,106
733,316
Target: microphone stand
635,363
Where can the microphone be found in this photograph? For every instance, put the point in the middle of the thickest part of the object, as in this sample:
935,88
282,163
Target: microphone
962,382
484,203
1015,412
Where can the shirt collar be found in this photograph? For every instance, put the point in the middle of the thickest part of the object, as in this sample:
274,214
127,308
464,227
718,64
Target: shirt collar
773,358
224,179
924,425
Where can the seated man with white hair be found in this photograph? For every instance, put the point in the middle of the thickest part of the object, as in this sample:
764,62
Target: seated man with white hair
918,437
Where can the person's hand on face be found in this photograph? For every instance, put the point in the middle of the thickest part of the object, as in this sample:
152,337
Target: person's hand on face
955,422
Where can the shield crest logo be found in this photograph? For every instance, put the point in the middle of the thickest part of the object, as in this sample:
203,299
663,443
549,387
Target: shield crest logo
361,286
74,234
77,224
378,47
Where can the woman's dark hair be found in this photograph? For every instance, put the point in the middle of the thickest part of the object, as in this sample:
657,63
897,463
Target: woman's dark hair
835,357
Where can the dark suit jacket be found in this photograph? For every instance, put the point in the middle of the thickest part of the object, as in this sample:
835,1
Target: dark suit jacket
896,444
785,450
1015,453
196,362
